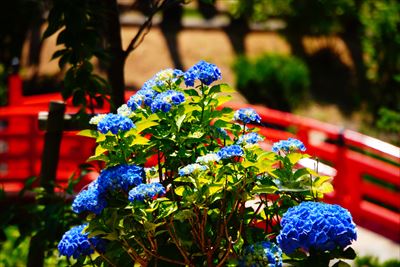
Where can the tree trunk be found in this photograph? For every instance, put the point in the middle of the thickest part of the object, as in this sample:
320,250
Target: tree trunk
115,70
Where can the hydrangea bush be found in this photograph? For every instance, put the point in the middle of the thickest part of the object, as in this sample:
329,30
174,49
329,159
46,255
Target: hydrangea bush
186,183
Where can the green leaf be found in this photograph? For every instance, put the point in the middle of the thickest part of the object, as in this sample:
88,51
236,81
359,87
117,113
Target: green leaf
223,99
99,150
180,190
294,157
88,133
341,264
143,125
140,140
349,253
151,227
180,120
264,189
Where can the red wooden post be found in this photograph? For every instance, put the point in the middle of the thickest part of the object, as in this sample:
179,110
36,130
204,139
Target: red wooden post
14,90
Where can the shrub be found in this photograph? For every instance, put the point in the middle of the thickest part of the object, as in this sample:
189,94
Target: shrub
279,81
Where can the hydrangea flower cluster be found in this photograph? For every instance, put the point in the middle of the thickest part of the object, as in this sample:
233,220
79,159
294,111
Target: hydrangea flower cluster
96,119
289,145
121,177
203,71
142,97
315,225
143,191
124,110
246,115
249,139
165,100
114,123
75,243
230,151
90,200
262,254
209,158
167,76
191,168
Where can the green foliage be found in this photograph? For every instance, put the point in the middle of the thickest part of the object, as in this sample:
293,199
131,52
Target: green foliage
381,44
370,261
78,24
278,81
389,120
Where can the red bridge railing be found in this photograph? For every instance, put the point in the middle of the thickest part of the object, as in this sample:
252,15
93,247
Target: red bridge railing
367,180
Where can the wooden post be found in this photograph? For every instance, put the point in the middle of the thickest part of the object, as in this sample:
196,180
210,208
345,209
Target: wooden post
52,143
50,156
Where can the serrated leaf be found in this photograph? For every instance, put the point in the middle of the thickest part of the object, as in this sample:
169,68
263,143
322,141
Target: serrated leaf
88,133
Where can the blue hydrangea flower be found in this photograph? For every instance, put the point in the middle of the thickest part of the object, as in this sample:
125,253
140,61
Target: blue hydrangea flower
192,168
165,100
261,254
203,71
249,139
124,110
76,243
316,225
143,191
166,77
222,132
208,158
230,151
96,119
114,123
246,115
289,145
89,200
142,97
120,177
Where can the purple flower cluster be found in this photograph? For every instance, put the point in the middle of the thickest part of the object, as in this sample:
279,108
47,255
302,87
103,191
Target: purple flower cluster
76,243
261,254
250,138
165,100
315,225
230,151
121,177
289,145
246,115
203,71
114,123
142,191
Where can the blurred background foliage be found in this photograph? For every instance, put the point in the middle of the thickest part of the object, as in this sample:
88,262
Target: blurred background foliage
368,82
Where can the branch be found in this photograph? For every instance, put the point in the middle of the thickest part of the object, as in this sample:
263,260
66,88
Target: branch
145,27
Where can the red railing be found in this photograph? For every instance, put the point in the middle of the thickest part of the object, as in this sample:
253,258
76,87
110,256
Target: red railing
367,180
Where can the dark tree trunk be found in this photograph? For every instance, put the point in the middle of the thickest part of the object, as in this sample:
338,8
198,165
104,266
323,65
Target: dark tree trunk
170,26
115,70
